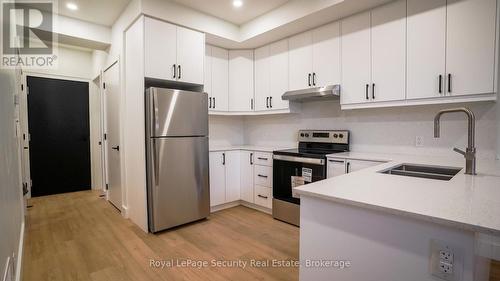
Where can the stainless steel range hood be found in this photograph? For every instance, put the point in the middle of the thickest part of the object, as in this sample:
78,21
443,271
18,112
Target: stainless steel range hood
318,93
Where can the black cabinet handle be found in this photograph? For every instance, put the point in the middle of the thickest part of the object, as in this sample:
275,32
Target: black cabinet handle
262,176
336,161
223,158
267,102
373,91
449,82
117,148
251,158
210,102
348,167
271,102
262,196
179,67
214,104
314,79
309,79
251,104
262,158
175,71
366,92
440,83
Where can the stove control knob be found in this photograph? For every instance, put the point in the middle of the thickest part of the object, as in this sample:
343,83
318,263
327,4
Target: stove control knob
302,134
335,136
307,135
341,136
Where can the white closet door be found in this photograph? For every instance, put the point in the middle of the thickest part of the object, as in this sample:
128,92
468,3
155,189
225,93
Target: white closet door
278,67
356,59
426,47
470,46
389,52
262,77
326,55
300,57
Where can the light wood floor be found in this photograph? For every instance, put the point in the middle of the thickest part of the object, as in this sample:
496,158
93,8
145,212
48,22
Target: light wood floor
79,236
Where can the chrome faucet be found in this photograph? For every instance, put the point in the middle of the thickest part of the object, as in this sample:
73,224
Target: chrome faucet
470,152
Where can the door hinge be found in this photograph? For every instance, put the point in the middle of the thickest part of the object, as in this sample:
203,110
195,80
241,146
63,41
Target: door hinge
16,99
104,86
22,87
27,90
107,186
105,136
25,188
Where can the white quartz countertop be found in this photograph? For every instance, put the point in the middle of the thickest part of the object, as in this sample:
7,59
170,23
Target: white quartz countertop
467,202
214,148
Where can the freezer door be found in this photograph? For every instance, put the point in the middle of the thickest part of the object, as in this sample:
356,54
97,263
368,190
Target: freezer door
178,186
176,113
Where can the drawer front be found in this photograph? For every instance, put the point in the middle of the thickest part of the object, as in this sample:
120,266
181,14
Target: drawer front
263,196
263,176
263,158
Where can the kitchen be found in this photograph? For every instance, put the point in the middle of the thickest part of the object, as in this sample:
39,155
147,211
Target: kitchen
311,142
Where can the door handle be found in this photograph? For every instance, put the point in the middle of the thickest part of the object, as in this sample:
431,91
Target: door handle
366,92
223,158
373,91
210,102
314,79
117,148
214,103
262,196
267,102
179,68
309,79
251,158
251,104
449,82
271,102
440,83
348,167
262,176
262,158
175,71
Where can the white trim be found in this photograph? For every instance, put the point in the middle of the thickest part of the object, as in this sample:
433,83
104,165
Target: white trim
19,257
124,211
224,206
257,207
444,100
233,204
56,76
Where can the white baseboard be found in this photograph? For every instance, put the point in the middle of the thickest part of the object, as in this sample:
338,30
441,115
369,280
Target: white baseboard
238,203
125,211
257,207
19,258
224,206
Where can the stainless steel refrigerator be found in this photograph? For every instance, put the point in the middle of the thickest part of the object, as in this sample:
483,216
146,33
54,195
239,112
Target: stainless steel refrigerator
177,157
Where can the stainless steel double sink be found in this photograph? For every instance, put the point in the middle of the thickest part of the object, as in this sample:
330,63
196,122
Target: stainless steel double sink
423,171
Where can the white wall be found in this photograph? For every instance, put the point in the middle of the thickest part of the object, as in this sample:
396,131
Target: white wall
380,130
11,205
226,130
72,62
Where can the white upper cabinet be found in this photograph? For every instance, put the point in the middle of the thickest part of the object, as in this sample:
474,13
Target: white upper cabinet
262,78
426,47
326,55
173,53
241,85
160,49
190,54
220,83
470,46
300,58
356,58
388,53
278,68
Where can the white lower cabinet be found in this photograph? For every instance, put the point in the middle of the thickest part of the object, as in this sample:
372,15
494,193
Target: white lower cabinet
340,166
240,175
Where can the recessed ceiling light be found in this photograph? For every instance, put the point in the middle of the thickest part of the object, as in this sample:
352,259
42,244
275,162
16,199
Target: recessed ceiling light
237,3
72,6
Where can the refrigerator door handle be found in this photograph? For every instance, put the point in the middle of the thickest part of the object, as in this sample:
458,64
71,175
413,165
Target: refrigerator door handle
152,113
154,164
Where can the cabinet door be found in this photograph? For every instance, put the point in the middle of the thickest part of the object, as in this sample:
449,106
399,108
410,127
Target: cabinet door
207,74
220,83
335,167
356,165
326,55
426,47
160,49
356,59
190,54
217,179
470,46
262,76
232,163
300,58
240,80
389,52
278,67
246,167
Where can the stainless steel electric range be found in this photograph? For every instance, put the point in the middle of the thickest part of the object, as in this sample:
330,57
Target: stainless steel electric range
303,165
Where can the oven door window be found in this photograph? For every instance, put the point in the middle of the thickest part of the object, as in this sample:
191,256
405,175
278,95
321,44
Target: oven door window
287,174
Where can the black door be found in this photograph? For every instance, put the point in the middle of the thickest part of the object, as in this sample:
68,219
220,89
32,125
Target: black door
58,113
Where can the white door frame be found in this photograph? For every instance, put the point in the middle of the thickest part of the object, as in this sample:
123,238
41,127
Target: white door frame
24,120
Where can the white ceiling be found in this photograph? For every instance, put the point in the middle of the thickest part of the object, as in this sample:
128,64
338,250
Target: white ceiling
224,8
103,12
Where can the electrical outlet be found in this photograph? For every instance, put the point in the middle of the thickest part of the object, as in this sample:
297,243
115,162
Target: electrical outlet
419,141
445,268
445,261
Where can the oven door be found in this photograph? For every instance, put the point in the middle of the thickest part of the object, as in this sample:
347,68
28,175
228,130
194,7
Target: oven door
293,171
